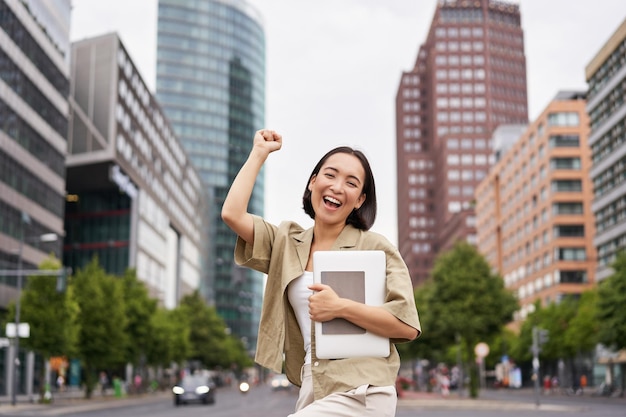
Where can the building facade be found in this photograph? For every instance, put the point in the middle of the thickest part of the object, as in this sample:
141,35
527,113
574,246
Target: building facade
469,77
34,111
211,84
606,79
533,211
134,198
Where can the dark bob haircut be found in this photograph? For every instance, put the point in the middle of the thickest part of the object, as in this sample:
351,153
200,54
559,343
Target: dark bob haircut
364,217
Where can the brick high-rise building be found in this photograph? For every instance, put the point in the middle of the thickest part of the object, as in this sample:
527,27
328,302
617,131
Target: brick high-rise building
533,210
469,77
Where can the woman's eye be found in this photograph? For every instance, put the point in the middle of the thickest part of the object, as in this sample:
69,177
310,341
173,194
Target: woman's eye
329,175
352,184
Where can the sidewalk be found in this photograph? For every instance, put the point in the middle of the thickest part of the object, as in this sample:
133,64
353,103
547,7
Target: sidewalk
431,400
75,399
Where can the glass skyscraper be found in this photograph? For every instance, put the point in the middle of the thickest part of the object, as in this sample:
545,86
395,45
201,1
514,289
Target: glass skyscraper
211,85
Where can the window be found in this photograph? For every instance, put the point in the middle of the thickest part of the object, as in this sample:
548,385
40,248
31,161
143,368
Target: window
565,163
569,230
573,207
567,186
573,277
563,119
564,141
570,254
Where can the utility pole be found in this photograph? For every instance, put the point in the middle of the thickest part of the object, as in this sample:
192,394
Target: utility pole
540,337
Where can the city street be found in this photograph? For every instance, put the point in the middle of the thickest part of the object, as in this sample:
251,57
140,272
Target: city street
262,402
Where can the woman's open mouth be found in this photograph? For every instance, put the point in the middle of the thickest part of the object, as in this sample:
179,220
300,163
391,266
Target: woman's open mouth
332,202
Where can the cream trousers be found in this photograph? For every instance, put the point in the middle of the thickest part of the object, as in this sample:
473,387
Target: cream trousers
364,401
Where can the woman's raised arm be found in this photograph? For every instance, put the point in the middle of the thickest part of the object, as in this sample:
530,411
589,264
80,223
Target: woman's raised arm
235,209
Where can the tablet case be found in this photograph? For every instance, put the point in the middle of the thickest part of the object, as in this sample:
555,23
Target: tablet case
360,276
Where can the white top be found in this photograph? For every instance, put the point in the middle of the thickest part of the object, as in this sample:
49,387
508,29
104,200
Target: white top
298,294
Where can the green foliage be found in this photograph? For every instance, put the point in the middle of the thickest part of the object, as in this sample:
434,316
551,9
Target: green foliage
467,301
206,331
170,338
139,310
49,313
571,326
582,333
611,314
107,322
102,340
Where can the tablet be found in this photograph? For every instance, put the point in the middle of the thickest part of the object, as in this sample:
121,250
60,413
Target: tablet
360,276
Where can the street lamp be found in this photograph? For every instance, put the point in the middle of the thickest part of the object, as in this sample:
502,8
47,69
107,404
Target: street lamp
48,237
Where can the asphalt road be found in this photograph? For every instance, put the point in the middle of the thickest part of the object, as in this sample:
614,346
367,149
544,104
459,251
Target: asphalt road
261,401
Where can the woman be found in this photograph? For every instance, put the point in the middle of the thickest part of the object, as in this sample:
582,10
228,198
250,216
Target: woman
340,197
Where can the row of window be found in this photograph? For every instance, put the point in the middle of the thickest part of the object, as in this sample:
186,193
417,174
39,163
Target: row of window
11,223
30,186
31,94
612,140
456,102
608,251
464,88
465,74
29,139
611,103
547,281
33,51
611,215
465,159
466,174
614,63
610,178
567,208
462,60
464,32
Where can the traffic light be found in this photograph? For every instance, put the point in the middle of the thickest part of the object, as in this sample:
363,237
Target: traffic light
543,336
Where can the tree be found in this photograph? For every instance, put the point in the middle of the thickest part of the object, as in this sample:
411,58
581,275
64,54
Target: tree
611,315
207,334
51,315
139,311
170,338
102,341
468,300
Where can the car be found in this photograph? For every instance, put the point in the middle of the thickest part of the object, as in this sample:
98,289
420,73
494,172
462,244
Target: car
280,382
198,388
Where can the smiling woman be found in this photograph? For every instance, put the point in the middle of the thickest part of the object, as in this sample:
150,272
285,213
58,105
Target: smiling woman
340,197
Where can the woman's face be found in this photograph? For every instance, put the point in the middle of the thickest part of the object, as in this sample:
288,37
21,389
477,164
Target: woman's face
336,190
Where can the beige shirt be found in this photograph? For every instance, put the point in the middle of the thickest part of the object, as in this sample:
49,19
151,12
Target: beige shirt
282,253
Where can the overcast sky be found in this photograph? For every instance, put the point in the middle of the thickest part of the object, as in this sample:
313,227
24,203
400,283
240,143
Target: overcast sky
333,69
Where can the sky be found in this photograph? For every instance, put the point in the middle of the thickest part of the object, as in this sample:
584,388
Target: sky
333,68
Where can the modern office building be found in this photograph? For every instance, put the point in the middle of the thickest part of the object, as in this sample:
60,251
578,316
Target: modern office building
469,77
533,210
606,79
34,110
211,84
134,198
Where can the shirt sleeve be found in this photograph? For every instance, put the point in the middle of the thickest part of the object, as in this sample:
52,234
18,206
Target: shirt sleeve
256,255
400,299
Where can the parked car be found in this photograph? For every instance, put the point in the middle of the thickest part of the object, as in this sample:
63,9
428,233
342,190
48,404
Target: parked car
194,388
280,382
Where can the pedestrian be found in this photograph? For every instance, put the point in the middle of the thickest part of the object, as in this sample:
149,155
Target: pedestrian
104,381
340,197
547,384
583,383
61,382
